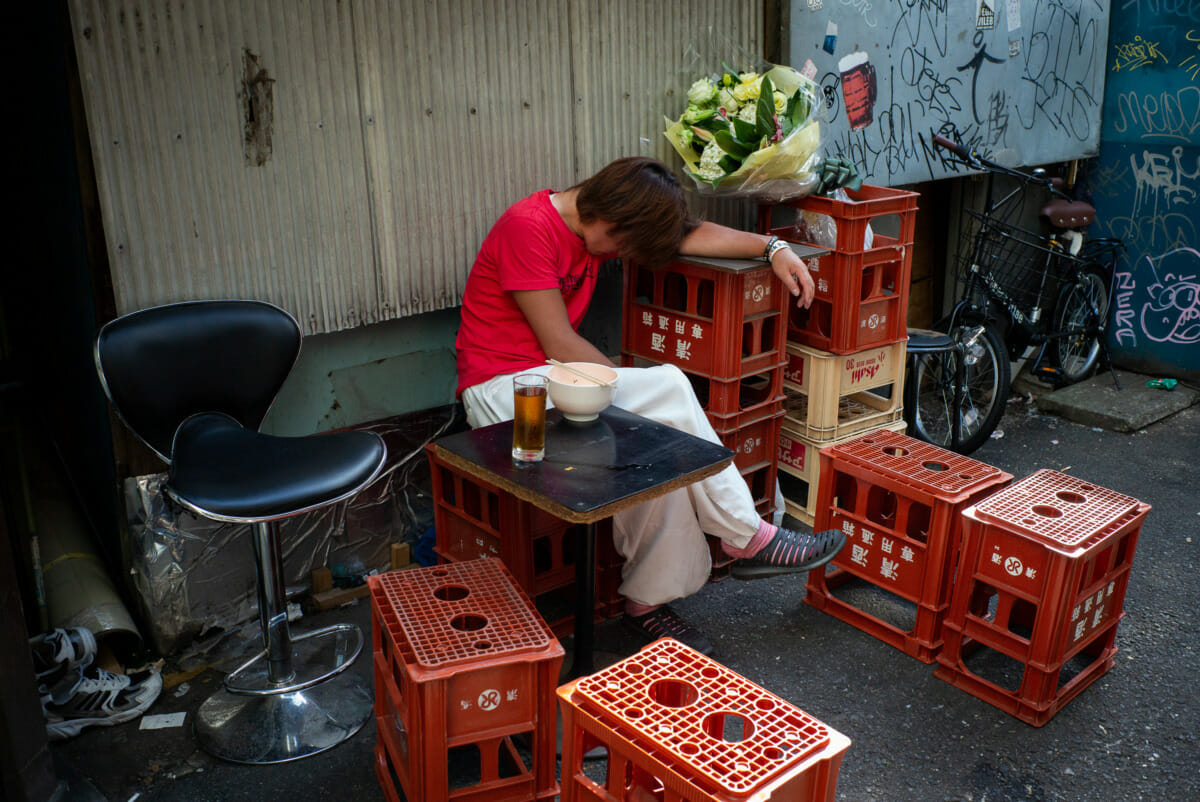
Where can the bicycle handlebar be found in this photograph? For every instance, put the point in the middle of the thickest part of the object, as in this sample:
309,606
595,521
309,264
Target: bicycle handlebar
955,148
973,159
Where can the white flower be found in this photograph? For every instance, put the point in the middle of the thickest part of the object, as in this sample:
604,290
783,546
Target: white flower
709,169
749,113
702,92
726,99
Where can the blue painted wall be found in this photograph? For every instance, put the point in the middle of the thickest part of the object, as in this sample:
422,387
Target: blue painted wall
1145,183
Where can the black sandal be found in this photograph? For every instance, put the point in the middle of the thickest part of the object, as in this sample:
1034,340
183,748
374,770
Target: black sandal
664,622
790,553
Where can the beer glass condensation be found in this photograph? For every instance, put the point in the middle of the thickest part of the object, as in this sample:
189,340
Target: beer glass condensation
529,417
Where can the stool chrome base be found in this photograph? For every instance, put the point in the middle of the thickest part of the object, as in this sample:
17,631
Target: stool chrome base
286,726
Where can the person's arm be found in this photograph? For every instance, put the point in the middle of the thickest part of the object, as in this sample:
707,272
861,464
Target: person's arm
547,316
711,239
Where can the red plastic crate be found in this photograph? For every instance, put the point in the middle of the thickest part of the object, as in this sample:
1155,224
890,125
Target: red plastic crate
898,500
679,726
1042,580
474,519
867,206
800,468
722,318
861,293
733,403
463,662
722,563
761,480
753,443
856,305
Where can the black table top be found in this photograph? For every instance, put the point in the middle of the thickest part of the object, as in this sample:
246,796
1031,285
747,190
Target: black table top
591,470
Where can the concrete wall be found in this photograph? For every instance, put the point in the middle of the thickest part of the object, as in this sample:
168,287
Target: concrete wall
369,373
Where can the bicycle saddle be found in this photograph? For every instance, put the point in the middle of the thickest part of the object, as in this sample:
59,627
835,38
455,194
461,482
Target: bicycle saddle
1069,214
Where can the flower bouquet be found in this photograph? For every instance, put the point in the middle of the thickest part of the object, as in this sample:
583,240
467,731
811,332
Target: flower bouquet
751,135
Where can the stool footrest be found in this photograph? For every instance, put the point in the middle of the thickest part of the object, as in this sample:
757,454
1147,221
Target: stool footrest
315,657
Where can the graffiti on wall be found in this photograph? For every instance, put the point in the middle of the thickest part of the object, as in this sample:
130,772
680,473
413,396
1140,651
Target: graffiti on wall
1025,79
1147,181
1171,313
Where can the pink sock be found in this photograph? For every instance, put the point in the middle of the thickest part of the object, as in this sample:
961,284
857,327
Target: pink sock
761,538
637,609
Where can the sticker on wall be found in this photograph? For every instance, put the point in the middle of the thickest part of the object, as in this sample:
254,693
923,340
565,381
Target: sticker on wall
809,70
814,5
858,89
985,15
830,37
1014,48
1013,7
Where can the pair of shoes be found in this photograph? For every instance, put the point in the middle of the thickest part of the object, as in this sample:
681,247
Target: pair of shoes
790,553
664,622
59,658
102,699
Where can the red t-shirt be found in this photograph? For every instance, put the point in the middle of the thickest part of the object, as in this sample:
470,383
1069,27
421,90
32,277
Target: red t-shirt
529,248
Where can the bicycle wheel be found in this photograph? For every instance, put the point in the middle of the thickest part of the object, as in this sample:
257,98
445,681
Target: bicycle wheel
930,389
1079,318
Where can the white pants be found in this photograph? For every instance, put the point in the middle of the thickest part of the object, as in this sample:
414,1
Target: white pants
662,540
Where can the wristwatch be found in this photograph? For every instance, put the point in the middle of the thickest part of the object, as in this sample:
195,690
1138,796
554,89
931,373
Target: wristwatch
774,245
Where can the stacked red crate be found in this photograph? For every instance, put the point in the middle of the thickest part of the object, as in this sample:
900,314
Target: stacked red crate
1041,588
722,322
899,501
473,519
861,292
677,725
464,670
845,352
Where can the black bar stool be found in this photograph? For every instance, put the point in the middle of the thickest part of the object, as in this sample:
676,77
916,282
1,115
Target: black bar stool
923,342
194,382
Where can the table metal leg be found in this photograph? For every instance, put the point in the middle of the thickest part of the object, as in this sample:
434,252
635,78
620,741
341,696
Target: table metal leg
585,603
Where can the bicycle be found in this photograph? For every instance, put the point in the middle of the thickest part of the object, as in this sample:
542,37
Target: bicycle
1020,288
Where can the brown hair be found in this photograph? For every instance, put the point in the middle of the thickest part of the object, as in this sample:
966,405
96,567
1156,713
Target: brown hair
645,204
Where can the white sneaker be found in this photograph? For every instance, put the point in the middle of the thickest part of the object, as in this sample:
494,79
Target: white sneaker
59,658
101,700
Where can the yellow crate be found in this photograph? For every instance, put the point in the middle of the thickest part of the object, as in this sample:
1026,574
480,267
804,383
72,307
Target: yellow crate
831,396
800,469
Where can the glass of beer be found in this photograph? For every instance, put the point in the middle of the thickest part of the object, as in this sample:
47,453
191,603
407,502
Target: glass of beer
529,417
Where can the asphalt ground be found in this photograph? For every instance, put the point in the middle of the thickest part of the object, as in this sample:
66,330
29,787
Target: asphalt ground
1133,734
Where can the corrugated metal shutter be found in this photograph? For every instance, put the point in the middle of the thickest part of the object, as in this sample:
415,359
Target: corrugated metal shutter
345,159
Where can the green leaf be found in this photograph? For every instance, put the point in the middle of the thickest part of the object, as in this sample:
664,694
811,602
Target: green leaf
729,164
799,107
731,145
766,108
744,131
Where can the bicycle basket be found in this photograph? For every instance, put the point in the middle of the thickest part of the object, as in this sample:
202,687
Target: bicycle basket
1009,261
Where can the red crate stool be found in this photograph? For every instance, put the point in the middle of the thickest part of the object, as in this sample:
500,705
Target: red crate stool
861,293
733,403
679,726
800,467
463,664
753,443
1041,588
898,499
722,318
832,396
474,519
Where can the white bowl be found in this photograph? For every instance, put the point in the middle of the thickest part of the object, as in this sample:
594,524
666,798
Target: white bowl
578,398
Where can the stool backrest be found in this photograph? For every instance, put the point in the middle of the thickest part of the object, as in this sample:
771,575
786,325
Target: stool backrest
160,365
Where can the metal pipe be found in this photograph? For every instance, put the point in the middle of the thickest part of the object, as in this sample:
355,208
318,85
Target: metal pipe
272,603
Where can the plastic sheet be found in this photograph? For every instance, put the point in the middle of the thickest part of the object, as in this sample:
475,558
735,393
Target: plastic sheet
193,576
